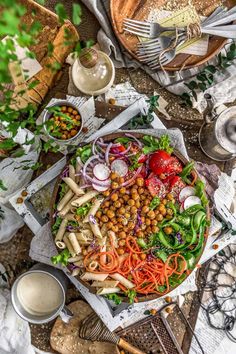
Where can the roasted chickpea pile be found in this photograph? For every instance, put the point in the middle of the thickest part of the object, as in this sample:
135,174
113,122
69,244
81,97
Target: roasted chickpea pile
65,124
126,211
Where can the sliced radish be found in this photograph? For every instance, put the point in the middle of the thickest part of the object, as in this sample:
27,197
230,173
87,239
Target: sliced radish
120,167
101,172
98,187
190,201
185,193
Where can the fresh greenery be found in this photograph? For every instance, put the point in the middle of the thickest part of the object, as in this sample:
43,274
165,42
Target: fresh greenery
56,225
152,144
83,210
134,162
186,172
131,294
205,78
123,140
145,119
61,258
200,192
115,298
63,190
2,186
154,203
84,152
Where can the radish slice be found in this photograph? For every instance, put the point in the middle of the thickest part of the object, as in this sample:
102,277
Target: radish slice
100,188
185,193
120,167
101,172
190,201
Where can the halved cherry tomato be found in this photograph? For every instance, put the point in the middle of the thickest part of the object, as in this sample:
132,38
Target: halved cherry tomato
143,172
176,185
143,158
155,186
174,166
159,161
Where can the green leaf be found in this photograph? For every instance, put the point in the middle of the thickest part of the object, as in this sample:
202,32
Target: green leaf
192,85
202,86
131,294
84,153
61,12
210,68
89,43
76,14
2,186
61,257
33,84
154,203
115,298
50,49
8,144
83,210
152,144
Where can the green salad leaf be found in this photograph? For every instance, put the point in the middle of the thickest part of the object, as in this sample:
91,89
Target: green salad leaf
135,164
84,152
154,203
115,298
123,141
186,172
200,192
131,295
152,144
63,190
56,225
83,210
61,257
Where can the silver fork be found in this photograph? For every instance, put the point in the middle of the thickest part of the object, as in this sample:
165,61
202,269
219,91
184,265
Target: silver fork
163,60
145,29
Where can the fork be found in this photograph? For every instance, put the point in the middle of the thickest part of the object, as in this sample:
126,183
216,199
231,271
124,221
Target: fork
163,60
145,29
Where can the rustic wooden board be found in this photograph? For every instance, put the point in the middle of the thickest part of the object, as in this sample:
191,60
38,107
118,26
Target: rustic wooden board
140,9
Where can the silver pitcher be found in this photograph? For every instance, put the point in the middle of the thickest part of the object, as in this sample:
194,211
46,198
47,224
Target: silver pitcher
217,135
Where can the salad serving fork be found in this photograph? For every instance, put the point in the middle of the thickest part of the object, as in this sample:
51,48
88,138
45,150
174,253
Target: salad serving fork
145,29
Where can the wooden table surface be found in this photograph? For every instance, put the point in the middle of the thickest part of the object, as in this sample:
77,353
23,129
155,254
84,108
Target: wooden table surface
14,254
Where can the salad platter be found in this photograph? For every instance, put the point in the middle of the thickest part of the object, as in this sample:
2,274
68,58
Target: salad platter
129,217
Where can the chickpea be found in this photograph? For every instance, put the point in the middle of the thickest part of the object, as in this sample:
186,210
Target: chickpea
106,193
131,225
98,214
127,208
140,234
159,217
114,197
149,229
122,234
168,217
133,190
117,204
73,132
121,180
161,207
77,117
146,202
140,181
64,137
143,256
137,204
164,201
115,228
120,251
131,202
170,196
122,190
112,208
168,230
147,221
114,221
163,212
133,210
141,190
157,211
113,176
142,219
109,225
105,210
121,200
114,185
151,214
74,112
169,211
155,229
145,209
110,214
63,108
104,218
121,243
135,256
126,197
124,222
142,197
135,196
121,211
143,227
69,109
127,215
107,204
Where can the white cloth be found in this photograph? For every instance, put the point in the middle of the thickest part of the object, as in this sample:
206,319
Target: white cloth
224,89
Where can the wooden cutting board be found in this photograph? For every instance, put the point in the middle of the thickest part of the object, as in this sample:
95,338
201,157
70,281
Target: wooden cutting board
64,337
140,9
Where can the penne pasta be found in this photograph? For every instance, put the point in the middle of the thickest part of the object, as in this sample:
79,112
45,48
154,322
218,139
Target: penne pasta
75,272
104,230
93,276
79,263
113,238
105,284
75,259
74,186
69,217
74,242
95,228
66,208
94,209
104,249
81,237
69,246
72,172
61,245
104,291
93,265
85,198
128,284
65,200
61,231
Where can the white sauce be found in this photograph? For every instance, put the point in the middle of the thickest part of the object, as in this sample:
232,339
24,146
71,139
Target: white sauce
39,293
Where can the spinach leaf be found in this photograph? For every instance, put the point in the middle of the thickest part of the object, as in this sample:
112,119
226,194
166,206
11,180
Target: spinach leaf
135,164
142,243
154,203
123,141
115,298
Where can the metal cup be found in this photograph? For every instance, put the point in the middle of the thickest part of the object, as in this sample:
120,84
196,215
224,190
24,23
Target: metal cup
61,311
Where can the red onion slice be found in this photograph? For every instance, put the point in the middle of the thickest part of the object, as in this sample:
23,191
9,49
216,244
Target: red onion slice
133,137
107,154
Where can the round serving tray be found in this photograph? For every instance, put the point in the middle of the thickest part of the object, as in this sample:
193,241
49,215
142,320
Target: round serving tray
141,10
54,201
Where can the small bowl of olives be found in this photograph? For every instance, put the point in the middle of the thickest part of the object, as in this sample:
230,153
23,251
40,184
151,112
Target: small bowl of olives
62,121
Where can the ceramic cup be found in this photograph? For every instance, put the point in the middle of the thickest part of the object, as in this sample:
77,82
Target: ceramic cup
40,318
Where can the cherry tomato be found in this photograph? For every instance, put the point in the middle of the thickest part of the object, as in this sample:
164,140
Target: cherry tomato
118,149
176,185
143,158
174,166
143,172
155,186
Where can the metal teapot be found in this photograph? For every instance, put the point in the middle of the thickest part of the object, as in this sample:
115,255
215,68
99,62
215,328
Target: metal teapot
217,135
